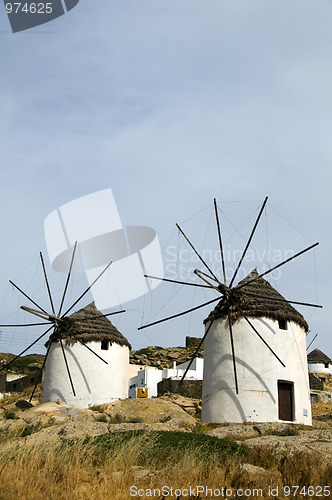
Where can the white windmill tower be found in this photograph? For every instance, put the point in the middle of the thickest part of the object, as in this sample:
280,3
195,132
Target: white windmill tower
267,387
255,366
95,382
87,358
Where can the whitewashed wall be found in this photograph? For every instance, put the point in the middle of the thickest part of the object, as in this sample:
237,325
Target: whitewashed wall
320,367
258,372
94,381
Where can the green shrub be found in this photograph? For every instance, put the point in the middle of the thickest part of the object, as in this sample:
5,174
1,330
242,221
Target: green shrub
286,431
10,415
167,418
101,418
136,420
30,429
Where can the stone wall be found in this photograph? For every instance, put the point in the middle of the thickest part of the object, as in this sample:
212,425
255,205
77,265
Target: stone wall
188,388
193,342
320,396
320,381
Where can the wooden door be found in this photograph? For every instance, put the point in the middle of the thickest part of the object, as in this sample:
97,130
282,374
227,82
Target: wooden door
285,399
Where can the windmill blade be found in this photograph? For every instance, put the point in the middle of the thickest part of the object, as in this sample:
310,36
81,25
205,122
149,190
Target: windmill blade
198,255
248,243
233,350
199,274
35,313
175,281
42,368
195,353
67,366
277,266
262,339
282,300
47,284
89,348
68,278
220,241
81,341
179,314
312,340
26,349
103,315
27,296
27,324
86,291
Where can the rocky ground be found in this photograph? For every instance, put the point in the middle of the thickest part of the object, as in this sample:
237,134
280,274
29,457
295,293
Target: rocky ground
21,423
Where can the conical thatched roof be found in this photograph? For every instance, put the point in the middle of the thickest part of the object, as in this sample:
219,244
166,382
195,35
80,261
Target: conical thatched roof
317,356
88,325
256,306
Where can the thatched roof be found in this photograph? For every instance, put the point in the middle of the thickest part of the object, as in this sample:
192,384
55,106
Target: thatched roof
255,305
89,325
317,356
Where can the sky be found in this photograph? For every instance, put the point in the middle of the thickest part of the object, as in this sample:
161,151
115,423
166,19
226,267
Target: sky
171,104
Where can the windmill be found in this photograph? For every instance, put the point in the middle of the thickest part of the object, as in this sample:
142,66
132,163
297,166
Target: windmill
65,337
243,333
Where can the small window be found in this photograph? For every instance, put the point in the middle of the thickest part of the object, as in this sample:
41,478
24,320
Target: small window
327,365
104,345
282,324
314,398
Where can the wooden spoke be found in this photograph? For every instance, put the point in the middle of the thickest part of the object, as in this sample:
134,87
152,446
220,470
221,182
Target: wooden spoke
198,255
220,241
176,281
199,274
27,296
26,349
312,340
281,300
68,278
179,314
248,243
42,368
195,353
86,291
26,324
46,280
277,266
206,275
102,315
89,348
233,351
36,313
67,366
262,339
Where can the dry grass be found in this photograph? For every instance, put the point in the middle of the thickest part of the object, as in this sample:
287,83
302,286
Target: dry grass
106,467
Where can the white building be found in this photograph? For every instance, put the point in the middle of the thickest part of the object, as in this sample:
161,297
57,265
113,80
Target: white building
268,391
148,377
319,362
94,381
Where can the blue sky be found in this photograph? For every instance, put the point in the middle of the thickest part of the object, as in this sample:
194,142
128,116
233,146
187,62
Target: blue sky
171,103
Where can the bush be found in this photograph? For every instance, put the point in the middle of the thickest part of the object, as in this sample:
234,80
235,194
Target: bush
10,415
286,431
101,418
30,429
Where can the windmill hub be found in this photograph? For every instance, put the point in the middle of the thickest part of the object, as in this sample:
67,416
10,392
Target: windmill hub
224,289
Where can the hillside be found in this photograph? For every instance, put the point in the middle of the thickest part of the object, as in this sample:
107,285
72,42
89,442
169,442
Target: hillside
54,450
162,357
